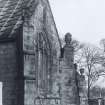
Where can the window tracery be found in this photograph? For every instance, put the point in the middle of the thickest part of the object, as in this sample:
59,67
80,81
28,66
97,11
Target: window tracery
43,64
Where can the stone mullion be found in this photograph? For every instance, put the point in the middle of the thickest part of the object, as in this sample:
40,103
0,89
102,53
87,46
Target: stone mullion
42,73
39,70
47,74
36,68
44,70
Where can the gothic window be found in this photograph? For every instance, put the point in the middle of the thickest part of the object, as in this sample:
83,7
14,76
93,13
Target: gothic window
42,55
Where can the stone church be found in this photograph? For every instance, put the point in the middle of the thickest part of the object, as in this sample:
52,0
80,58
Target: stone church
31,72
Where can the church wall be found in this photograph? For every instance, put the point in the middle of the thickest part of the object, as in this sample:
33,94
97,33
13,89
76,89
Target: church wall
33,26
10,75
7,69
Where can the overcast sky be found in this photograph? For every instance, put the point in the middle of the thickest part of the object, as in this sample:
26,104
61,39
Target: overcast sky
84,19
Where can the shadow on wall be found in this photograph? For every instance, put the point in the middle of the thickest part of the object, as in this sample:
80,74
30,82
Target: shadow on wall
1,85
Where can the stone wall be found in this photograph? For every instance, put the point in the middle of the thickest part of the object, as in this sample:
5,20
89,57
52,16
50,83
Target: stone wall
39,46
10,75
68,84
65,84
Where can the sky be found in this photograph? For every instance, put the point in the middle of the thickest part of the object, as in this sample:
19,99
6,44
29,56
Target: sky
84,19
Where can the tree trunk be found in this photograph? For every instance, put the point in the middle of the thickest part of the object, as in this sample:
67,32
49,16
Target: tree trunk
88,88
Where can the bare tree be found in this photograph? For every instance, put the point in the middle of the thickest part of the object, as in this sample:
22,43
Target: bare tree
102,43
89,58
77,45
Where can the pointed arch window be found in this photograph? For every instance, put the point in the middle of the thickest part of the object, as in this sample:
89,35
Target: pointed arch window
42,64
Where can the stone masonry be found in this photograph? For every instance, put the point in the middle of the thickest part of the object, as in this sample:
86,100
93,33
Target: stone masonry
67,74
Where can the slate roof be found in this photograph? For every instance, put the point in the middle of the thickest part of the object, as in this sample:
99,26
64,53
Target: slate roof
11,12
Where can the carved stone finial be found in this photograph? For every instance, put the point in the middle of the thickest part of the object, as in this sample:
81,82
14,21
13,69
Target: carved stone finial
82,71
75,66
68,38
